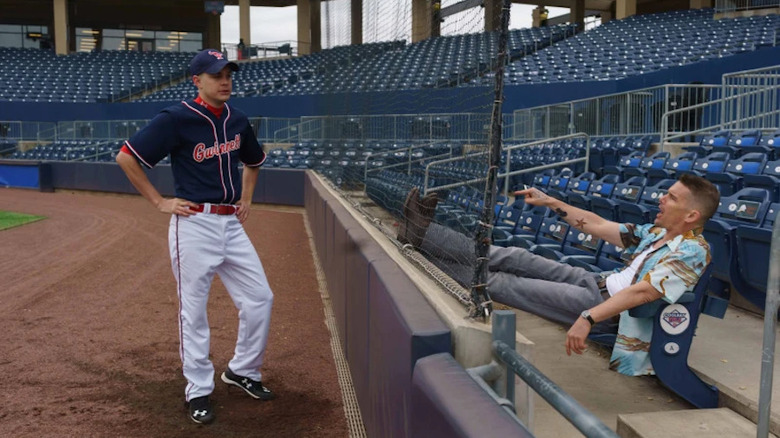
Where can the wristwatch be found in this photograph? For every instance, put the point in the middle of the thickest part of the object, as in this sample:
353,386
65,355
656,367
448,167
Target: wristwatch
586,314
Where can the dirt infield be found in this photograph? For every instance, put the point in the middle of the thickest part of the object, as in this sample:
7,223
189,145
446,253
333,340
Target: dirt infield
90,342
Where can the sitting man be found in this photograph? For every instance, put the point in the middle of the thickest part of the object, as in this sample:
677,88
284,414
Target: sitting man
668,257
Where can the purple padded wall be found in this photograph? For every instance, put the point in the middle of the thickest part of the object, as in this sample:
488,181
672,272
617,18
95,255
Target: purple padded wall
448,403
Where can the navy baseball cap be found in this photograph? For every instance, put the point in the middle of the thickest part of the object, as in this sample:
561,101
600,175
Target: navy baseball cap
210,61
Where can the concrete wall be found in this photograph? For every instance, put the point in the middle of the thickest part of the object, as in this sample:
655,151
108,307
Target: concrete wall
387,327
274,186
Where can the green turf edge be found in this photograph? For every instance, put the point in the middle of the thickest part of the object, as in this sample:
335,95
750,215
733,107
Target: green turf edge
10,220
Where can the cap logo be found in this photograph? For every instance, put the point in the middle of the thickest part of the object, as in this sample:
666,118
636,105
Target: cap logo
216,54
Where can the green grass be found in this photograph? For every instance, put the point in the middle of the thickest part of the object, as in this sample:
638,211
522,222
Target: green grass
10,220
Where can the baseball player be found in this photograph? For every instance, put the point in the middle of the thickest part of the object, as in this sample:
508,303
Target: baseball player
206,139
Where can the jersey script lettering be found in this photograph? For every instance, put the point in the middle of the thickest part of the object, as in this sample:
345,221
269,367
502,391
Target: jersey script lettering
201,152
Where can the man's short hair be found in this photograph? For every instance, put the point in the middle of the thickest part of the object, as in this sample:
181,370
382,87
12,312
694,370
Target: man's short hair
706,196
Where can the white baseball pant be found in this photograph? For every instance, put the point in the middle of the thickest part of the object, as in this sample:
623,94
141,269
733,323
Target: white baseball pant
200,246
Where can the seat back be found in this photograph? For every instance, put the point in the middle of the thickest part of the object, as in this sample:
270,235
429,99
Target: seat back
682,162
720,138
631,190
751,163
714,162
772,139
772,168
610,257
530,221
745,138
560,182
581,183
542,178
579,242
604,186
634,159
657,161
746,207
552,231
509,215
771,216
674,327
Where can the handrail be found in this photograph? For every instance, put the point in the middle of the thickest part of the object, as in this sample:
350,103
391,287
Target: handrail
509,173
515,364
408,163
602,96
722,101
770,327
571,409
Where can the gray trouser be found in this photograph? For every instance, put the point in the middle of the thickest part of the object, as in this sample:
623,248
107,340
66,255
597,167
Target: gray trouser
518,278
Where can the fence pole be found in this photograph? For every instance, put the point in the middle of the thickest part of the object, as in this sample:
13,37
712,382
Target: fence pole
481,306
770,327
504,329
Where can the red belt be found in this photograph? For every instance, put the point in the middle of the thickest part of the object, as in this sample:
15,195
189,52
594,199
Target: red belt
215,209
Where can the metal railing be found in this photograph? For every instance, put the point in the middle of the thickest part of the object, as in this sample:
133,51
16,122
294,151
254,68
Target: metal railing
752,99
749,100
408,163
743,5
466,127
16,131
270,49
636,112
508,173
770,333
98,129
507,363
266,127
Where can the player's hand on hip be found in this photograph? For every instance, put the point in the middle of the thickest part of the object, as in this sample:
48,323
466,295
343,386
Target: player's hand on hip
243,211
181,207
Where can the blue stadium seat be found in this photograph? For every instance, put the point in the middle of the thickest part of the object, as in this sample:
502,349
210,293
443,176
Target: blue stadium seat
730,180
528,226
748,207
647,208
548,242
601,187
629,192
713,162
768,179
770,143
753,251
681,163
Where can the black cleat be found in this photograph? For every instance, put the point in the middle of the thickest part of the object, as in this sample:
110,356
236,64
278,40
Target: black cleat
254,388
201,411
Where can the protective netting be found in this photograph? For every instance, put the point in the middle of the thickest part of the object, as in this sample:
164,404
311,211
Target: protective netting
409,109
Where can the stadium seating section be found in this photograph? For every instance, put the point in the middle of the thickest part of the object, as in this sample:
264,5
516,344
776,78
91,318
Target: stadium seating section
617,49
32,75
642,44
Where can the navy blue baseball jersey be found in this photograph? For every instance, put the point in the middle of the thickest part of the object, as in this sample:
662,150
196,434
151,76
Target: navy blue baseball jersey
204,149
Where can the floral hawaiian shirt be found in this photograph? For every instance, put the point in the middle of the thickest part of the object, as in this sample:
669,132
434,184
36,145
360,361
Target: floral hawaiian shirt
672,270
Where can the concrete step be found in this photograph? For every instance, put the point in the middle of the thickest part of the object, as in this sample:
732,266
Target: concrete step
727,353
696,423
